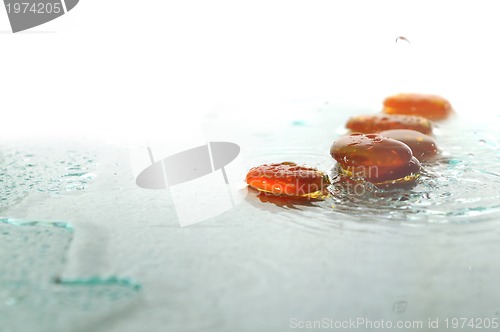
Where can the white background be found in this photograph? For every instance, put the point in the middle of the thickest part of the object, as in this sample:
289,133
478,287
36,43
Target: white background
116,67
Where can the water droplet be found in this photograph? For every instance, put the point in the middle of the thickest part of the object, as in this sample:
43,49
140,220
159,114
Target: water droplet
402,40
482,142
89,176
298,123
404,198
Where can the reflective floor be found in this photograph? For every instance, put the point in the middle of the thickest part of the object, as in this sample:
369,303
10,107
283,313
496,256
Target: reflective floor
125,264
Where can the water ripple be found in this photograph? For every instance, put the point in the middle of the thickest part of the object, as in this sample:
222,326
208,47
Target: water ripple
460,186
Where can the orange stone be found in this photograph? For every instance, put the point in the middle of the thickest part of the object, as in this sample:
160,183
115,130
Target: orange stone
379,122
422,146
358,149
429,106
288,179
381,174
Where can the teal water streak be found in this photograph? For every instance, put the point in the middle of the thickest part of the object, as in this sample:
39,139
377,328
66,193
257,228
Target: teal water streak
33,295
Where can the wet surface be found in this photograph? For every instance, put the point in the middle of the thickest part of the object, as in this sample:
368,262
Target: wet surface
30,168
33,294
460,185
409,254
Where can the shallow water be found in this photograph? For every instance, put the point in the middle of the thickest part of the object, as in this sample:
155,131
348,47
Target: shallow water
460,185
426,252
33,295
29,168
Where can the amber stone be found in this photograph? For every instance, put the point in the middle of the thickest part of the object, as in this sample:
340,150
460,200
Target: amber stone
429,106
422,146
358,149
379,122
287,179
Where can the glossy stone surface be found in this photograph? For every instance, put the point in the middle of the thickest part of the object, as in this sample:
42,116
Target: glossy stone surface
287,179
422,146
374,123
358,149
380,174
429,106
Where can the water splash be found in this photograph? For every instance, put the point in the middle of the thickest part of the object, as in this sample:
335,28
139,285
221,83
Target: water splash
459,186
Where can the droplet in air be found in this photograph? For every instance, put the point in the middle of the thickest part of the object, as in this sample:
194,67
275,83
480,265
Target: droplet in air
402,40
482,142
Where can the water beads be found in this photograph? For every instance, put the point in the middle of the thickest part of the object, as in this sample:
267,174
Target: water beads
288,179
358,149
383,149
374,158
